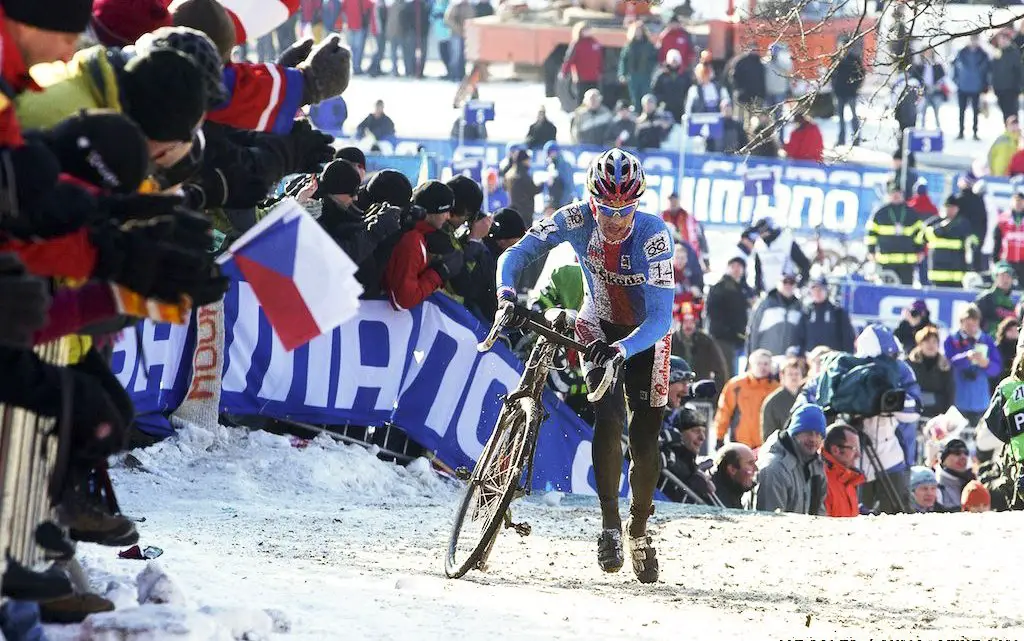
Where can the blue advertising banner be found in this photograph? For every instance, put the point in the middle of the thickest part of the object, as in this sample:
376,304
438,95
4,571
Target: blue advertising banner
419,369
836,199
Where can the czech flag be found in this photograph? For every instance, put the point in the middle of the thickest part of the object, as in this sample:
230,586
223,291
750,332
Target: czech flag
304,282
255,18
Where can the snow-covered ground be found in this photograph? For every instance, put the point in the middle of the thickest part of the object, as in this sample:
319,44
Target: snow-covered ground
338,545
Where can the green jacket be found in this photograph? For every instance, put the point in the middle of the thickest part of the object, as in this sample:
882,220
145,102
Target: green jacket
638,60
565,289
87,82
995,305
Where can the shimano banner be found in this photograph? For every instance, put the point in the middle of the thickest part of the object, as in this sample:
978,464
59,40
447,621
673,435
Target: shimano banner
419,369
833,199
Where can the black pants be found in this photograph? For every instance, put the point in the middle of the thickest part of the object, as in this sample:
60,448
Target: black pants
1008,103
634,388
904,272
975,100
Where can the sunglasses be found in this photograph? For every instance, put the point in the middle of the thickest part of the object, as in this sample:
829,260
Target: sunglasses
615,212
788,281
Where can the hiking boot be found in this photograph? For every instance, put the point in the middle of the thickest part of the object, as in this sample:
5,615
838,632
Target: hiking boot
643,556
73,608
89,522
609,550
22,584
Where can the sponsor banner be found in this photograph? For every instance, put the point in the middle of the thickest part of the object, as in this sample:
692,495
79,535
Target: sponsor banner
419,369
833,199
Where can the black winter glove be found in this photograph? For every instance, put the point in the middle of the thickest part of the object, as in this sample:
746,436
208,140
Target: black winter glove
448,265
383,220
24,301
326,71
295,54
311,148
600,352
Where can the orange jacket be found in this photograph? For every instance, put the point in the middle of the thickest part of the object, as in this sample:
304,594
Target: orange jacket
841,495
740,405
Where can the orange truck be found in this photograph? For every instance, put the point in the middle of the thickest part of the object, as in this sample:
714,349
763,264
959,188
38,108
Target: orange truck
537,40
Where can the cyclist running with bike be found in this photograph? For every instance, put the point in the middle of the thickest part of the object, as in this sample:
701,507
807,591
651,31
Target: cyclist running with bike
626,316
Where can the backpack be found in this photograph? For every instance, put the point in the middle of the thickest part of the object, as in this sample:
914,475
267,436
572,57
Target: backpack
855,385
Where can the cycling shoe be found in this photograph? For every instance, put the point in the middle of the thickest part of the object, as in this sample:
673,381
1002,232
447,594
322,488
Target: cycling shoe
609,550
644,558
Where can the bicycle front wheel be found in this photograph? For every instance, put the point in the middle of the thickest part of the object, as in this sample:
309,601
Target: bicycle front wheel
491,488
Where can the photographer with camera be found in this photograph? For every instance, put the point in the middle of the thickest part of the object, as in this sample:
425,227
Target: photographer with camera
356,232
410,275
974,357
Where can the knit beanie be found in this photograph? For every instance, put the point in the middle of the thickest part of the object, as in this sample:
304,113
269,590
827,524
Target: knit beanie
163,92
385,186
209,17
921,475
975,495
469,198
63,16
198,48
807,418
953,445
117,23
103,148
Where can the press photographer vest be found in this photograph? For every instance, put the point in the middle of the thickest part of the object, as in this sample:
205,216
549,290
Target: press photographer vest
1012,391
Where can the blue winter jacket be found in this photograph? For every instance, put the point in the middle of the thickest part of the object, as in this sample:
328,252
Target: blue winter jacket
829,325
970,70
972,384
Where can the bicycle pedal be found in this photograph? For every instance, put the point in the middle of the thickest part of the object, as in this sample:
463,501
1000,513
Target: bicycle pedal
462,473
522,529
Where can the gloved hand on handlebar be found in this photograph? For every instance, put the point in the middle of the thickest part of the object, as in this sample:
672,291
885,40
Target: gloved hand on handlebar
600,352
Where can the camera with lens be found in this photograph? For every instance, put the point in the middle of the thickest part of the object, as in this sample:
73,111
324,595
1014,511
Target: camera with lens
892,401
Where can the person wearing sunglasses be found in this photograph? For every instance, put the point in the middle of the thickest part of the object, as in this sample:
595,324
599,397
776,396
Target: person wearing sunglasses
626,257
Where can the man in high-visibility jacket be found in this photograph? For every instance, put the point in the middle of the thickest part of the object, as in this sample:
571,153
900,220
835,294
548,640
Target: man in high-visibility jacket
1008,239
892,235
951,245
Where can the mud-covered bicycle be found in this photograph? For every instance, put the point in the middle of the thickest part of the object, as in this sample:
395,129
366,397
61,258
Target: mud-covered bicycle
505,467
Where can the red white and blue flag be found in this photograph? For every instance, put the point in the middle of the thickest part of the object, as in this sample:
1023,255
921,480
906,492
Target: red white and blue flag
304,282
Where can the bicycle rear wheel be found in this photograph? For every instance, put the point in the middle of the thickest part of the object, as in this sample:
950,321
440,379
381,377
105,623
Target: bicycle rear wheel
491,487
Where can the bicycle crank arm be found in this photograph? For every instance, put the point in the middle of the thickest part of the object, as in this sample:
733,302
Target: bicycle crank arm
522,529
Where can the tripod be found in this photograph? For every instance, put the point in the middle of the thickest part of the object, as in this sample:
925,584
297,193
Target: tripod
890,491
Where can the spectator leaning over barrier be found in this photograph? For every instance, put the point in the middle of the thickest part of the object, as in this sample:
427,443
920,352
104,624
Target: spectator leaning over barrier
892,233
728,308
1004,148
790,473
805,141
408,277
1008,237
466,228
954,473
975,358
971,77
950,243
377,124
996,303
739,404
934,373
778,405
681,441
841,453
590,120
1007,74
506,229
735,474
698,348
775,324
541,130
671,85
824,322
924,490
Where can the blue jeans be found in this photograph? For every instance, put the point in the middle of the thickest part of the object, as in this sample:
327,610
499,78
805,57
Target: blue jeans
934,101
357,42
841,104
382,38
457,53
265,51
329,14
286,33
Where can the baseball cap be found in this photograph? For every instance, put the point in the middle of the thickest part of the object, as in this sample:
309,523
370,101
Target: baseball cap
434,197
507,224
339,177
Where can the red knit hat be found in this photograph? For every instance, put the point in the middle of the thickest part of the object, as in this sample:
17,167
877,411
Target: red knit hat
117,23
975,497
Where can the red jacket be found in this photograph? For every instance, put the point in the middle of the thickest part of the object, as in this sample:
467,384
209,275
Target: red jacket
15,80
261,97
675,38
69,256
359,14
585,60
687,226
407,279
1016,164
805,143
923,205
1009,238
841,492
